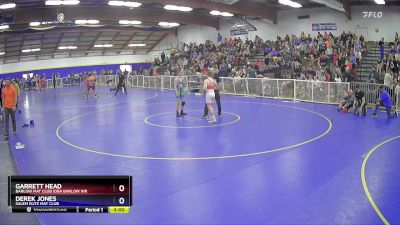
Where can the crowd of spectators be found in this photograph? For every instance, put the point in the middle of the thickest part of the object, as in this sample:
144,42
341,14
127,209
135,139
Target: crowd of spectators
324,57
386,70
229,57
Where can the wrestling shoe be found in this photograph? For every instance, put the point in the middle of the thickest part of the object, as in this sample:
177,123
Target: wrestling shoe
212,120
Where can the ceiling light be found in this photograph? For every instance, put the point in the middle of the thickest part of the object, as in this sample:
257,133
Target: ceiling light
86,22
72,2
178,8
116,3
215,13
62,2
130,22
53,3
333,4
290,3
8,6
93,21
31,50
239,25
67,47
125,3
218,13
47,22
103,46
137,45
80,21
3,27
380,2
167,24
124,22
133,4
34,24
2,53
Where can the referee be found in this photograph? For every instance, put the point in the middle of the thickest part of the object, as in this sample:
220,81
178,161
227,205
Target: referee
121,83
217,98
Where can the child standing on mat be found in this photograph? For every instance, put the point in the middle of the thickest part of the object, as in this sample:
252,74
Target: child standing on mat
42,83
217,98
90,84
209,86
121,84
386,101
180,95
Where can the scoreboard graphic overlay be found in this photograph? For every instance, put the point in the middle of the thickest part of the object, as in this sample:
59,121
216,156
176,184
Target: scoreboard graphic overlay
70,194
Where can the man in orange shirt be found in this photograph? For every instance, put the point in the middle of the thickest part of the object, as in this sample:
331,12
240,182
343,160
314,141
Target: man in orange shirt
9,105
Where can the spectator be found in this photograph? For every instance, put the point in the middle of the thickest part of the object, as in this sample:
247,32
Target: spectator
347,75
338,79
397,90
353,60
327,75
54,80
162,57
9,96
251,72
361,39
382,48
167,73
388,80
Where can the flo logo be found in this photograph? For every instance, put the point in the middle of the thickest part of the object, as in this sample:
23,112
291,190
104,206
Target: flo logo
369,15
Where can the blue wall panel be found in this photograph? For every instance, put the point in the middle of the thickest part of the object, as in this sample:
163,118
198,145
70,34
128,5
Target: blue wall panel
71,70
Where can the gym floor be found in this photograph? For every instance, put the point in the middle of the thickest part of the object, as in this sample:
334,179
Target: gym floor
265,161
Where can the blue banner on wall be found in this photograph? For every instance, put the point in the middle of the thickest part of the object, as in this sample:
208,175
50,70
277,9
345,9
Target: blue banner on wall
47,73
323,26
238,31
7,18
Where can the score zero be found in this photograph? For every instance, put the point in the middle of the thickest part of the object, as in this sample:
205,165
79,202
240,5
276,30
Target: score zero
121,200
